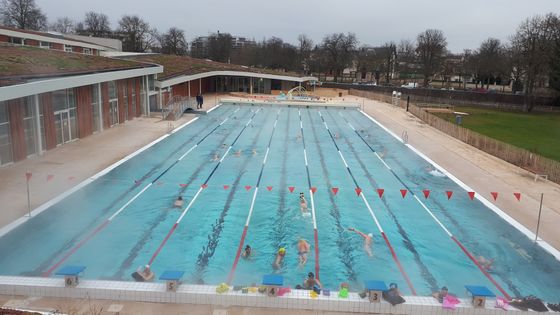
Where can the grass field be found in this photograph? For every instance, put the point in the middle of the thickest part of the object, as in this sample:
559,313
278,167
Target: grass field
537,132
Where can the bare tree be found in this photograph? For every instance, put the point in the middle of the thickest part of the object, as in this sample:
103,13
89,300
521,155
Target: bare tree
389,54
219,47
136,34
491,58
406,59
305,45
23,14
173,42
96,24
63,25
339,49
431,51
532,43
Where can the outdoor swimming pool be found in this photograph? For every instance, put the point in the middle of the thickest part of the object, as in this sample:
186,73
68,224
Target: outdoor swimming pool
240,170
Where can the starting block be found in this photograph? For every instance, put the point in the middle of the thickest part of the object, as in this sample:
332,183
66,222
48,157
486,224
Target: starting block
479,295
71,274
272,284
375,290
172,279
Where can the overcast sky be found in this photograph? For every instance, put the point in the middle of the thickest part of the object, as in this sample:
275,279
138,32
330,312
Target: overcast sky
465,23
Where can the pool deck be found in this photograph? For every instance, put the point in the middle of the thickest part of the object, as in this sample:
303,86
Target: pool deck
482,172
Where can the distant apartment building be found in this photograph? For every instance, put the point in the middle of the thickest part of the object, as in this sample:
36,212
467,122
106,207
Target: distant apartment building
56,41
200,45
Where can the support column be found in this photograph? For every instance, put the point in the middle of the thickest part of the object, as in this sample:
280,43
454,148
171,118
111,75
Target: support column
200,86
147,97
38,125
251,86
189,88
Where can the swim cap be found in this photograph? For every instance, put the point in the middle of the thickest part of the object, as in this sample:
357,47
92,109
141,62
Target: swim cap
370,235
282,250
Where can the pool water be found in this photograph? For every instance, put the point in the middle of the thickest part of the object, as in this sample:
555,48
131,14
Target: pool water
76,230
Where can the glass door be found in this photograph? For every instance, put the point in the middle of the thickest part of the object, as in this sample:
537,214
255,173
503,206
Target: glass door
114,112
63,127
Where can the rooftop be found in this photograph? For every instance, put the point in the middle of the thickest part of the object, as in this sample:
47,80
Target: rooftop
54,35
174,66
19,64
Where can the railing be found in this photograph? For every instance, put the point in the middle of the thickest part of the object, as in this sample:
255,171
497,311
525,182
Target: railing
176,106
523,158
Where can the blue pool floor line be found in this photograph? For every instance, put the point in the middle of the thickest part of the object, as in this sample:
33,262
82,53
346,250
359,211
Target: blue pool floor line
252,206
361,194
121,209
311,193
202,187
469,255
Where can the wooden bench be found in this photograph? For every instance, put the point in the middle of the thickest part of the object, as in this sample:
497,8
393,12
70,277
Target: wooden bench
535,171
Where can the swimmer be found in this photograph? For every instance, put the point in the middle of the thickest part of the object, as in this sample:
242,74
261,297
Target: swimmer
247,252
298,137
179,202
216,157
367,240
310,282
434,172
143,275
441,294
238,153
336,135
279,258
302,203
303,248
254,151
224,145
485,263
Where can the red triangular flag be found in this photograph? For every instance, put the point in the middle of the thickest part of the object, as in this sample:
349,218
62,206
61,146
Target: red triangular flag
291,189
449,193
471,194
426,193
28,176
203,186
403,192
358,191
183,185
269,188
247,188
313,189
380,192
226,187
517,196
334,190
494,195
49,177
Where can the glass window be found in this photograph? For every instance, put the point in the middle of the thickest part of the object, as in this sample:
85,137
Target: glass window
42,128
17,40
151,83
68,48
29,126
63,99
112,90
5,138
95,107
87,51
45,45
133,95
125,99
143,96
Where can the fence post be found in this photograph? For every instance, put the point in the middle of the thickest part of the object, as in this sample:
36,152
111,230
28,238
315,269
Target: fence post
407,102
539,219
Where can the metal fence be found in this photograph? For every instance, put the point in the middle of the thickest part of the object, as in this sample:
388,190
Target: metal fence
532,162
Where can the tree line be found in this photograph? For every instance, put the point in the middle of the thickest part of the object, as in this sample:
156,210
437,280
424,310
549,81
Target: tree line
530,58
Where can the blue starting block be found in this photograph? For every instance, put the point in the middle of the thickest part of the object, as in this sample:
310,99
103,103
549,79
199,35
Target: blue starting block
71,274
479,295
172,279
272,284
375,290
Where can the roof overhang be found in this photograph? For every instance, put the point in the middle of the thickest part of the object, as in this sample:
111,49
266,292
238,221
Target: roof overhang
49,39
71,81
186,78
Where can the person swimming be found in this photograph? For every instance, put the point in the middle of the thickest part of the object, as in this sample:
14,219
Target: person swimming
279,258
302,203
179,202
303,248
311,282
216,157
434,172
484,262
254,151
143,274
367,240
247,252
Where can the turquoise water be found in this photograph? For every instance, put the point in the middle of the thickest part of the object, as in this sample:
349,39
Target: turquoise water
204,244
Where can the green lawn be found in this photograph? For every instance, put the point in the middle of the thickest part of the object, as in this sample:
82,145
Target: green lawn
537,132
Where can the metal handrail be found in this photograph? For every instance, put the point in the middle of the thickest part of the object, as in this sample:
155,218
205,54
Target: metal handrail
176,106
